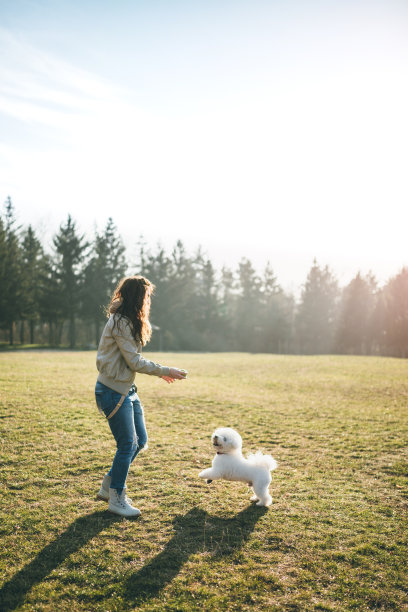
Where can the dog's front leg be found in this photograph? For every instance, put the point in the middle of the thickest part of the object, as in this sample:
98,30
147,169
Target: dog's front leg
208,474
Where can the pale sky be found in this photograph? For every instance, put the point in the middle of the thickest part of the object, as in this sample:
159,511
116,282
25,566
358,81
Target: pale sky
273,130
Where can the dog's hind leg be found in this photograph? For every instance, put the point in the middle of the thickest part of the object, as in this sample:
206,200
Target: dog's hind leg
262,493
266,501
253,497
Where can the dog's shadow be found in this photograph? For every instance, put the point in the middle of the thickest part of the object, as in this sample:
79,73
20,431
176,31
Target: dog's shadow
196,531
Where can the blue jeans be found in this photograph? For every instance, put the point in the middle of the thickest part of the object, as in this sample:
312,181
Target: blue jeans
128,428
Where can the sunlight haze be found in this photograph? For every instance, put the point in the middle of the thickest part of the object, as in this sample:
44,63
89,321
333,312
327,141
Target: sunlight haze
269,130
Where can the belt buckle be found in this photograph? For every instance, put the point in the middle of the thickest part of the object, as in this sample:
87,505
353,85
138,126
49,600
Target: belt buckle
132,391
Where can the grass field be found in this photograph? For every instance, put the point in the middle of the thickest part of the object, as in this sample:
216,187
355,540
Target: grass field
333,539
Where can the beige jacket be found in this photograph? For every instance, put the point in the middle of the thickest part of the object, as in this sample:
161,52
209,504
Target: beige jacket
119,357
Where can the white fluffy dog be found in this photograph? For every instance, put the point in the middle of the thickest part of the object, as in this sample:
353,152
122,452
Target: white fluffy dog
229,464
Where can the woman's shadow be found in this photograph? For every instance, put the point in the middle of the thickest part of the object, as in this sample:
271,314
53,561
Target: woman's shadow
14,591
196,531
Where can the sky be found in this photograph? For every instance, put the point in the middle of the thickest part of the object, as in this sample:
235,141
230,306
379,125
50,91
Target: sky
271,130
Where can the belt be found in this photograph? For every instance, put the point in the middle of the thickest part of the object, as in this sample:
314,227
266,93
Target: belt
116,408
133,389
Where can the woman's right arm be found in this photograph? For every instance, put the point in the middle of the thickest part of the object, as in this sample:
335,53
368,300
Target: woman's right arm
175,374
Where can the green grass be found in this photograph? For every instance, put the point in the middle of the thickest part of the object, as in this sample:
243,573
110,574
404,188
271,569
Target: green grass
333,539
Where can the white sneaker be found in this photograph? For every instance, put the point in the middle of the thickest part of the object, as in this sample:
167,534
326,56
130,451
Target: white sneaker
119,504
104,490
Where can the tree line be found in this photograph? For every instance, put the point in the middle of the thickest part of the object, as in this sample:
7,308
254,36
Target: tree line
57,298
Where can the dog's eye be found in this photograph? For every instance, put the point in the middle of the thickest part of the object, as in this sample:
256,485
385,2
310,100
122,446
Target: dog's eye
225,439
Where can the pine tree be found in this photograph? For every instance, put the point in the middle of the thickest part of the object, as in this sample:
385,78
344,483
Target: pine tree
106,266
396,314
52,300
207,279
11,286
316,316
158,268
182,294
33,270
377,324
248,327
70,252
353,334
3,273
227,291
276,314
205,304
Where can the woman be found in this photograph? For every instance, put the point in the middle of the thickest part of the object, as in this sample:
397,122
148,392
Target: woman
118,360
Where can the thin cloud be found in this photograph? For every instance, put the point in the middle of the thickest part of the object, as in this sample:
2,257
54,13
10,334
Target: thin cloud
36,86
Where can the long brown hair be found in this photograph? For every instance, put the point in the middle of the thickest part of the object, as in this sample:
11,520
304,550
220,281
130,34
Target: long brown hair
131,299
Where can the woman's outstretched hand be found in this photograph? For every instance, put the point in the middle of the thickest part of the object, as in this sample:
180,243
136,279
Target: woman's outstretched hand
174,374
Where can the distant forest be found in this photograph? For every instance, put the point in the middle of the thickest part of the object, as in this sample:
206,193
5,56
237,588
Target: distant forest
57,299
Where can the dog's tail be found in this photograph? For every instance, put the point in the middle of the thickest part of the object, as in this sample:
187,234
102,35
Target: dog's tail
263,460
